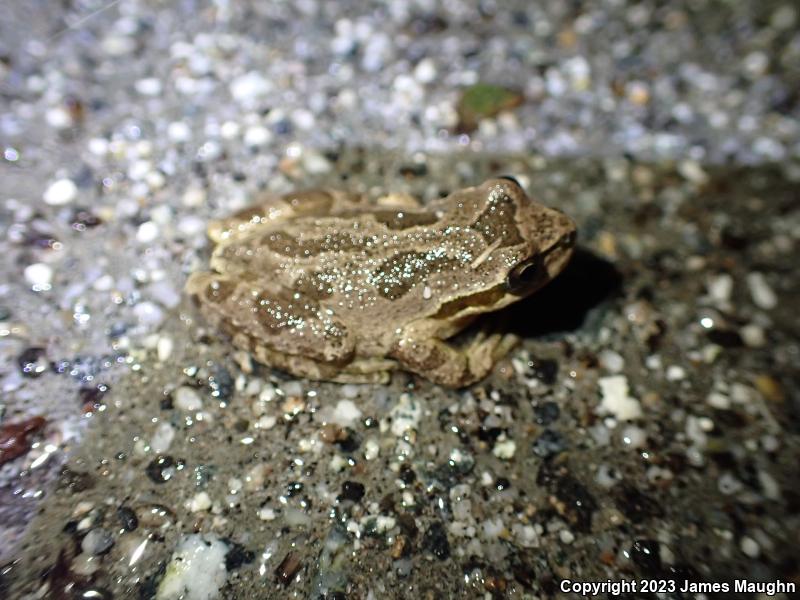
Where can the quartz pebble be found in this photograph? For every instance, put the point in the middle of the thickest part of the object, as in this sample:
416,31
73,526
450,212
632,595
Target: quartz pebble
185,398
616,399
39,275
762,294
60,192
196,570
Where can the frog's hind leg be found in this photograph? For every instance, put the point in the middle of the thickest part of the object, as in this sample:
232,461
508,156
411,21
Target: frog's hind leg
275,208
450,365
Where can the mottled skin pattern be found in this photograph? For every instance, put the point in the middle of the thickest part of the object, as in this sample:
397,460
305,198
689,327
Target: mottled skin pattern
327,286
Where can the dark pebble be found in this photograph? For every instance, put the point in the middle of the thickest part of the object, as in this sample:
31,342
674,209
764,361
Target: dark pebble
645,555
522,567
33,362
414,170
167,403
734,238
489,434
160,469
288,568
127,518
408,525
435,541
349,442
579,504
549,444
635,505
407,474
502,483
83,219
293,489
725,338
237,556
544,369
352,491
283,127
546,413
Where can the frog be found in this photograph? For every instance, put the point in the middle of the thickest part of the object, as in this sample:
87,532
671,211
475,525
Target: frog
327,285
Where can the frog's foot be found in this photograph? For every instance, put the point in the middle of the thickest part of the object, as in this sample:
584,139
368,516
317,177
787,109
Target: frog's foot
453,366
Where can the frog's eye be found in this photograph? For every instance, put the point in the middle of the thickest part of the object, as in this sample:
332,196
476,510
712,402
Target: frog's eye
523,276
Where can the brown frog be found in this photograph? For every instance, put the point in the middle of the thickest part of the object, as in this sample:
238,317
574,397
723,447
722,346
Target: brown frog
326,285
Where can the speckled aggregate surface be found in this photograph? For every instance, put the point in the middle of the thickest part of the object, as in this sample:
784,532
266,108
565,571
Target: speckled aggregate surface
647,427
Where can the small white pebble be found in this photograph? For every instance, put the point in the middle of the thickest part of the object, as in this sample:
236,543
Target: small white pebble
229,130
692,171
265,513
371,449
257,136
634,437
505,449
164,348
179,132
720,288
139,169
249,87
753,335
191,225
718,400
39,275
315,163
58,117
266,422
148,232
566,536
60,192
616,399
98,146
194,197
187,399
162,438
200,502
346,413
303,119
675,373
762,294
425,71
150,86
196,570
749,547
155,180
103,283
612,361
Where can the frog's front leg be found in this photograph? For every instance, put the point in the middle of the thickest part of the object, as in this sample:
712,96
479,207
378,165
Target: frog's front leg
450,365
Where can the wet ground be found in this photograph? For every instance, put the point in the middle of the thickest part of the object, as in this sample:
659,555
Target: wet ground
646,428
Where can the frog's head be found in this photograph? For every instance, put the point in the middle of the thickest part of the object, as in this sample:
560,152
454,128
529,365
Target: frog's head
541,239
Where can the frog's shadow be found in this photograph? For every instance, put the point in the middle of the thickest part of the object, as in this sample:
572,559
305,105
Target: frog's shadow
564,304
